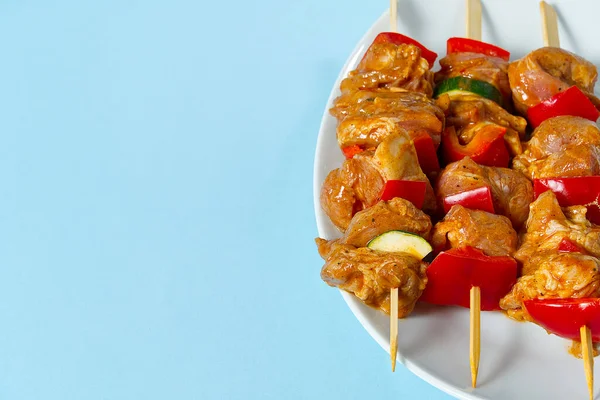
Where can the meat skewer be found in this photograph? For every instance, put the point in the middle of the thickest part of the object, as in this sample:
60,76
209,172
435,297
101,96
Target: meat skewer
428,160
559,281
474,32
393,291
389,129
475,273
551,38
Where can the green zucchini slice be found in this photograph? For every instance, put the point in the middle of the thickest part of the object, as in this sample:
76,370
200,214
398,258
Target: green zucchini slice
400,241
461,84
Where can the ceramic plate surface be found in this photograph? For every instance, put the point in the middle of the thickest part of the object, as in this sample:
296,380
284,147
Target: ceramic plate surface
518,360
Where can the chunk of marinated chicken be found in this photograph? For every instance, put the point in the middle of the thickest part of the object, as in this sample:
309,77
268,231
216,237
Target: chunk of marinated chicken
368,117
464,110
359,182
493,70
396,214
547,71
511,191
370,275
548,224
561,147
557,275
461,227
351,188
387,65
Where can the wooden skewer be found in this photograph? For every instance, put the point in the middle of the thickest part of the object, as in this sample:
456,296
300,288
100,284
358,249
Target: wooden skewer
393,15
550,35
475,342
473,19
549,25
588,358
394,291
393,326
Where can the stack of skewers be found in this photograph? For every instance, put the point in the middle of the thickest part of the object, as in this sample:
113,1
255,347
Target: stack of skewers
449,236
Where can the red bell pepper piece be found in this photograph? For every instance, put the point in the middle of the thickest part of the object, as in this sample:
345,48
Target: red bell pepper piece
426,153
464,45
486,148
564,317
398,39
575,191
413,191
570,102
568,246
477,199
351,151
453,273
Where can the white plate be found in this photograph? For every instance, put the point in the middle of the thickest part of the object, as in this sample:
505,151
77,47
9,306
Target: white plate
518,360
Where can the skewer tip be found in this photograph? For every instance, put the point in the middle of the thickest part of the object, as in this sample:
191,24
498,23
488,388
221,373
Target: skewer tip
474,339
393,326
588,358
549,25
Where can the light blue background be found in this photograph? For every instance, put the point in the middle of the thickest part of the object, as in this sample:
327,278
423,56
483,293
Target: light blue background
156,203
